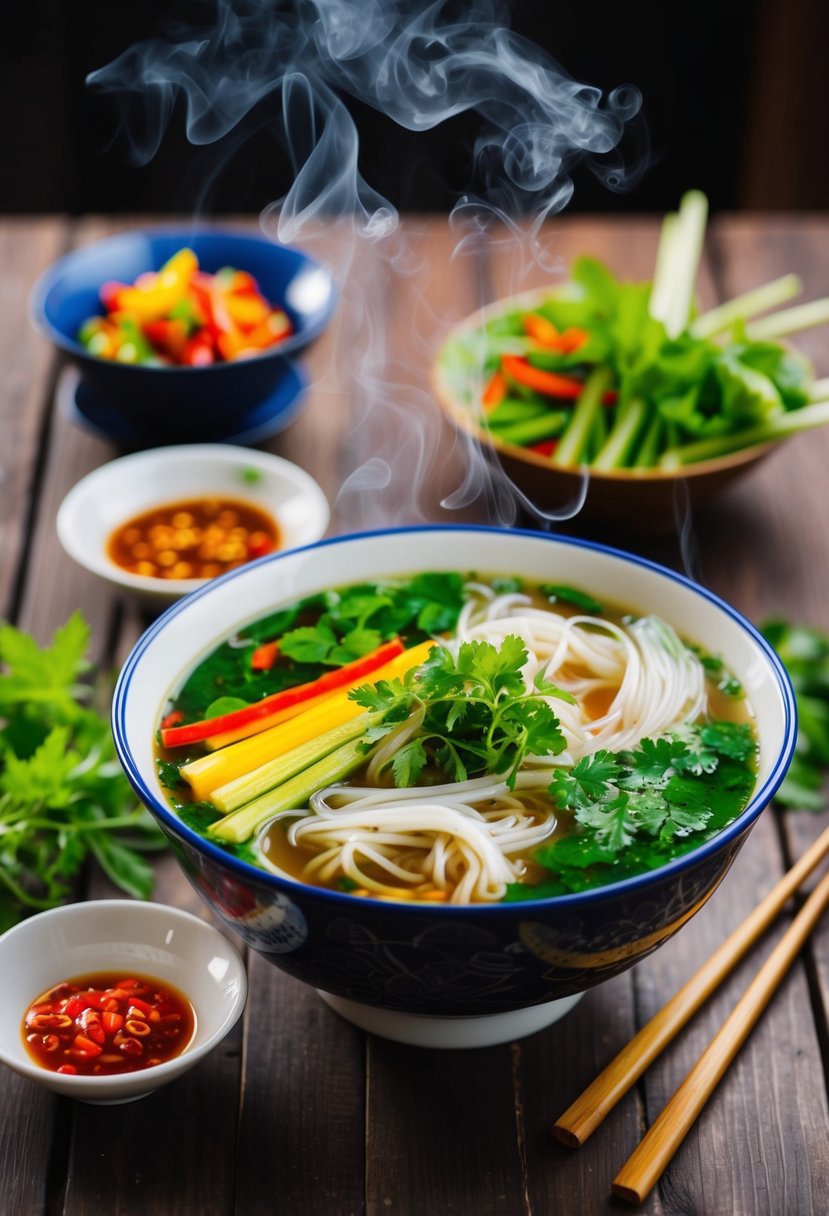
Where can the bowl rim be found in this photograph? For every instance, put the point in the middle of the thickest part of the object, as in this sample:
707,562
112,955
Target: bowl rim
231,454
575,900
156,1074
462,417
50,276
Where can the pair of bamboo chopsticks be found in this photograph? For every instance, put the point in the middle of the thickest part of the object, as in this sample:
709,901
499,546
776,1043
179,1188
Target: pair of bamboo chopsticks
645,1165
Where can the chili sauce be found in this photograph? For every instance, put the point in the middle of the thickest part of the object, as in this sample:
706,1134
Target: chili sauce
108,1023
198,538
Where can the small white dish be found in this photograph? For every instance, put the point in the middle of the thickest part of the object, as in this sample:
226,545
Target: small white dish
113,935
131,485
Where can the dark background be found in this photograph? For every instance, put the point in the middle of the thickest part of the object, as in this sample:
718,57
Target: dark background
735,103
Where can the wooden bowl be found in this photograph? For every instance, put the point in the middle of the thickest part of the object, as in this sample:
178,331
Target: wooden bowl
653,500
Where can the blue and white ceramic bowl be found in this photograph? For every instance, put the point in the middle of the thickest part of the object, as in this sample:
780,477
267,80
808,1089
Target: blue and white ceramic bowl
435,974
183,404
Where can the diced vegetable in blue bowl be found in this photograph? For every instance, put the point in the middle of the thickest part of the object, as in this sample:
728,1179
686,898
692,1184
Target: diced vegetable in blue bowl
454,776
184,334
623,388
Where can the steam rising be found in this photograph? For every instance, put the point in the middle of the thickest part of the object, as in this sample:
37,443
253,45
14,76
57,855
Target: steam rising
419,65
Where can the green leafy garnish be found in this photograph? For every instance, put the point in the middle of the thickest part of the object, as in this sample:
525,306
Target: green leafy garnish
63,795
475,713
636,810
571,595
358,619
319,632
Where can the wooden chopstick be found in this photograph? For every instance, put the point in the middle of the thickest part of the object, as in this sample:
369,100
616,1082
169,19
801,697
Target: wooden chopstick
584,1115
647,1161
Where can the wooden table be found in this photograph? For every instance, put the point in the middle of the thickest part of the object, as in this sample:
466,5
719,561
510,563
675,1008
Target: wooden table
297,1112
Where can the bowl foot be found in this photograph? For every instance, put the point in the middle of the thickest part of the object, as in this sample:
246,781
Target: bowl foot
87,409
426,1030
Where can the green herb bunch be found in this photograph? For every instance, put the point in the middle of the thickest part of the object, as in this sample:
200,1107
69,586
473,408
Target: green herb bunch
63,795
635,810
474,711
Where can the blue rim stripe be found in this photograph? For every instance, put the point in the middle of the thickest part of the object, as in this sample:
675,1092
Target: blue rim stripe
640,881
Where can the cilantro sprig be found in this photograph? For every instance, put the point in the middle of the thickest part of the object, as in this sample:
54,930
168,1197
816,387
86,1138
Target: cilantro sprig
63,795
635,810
475,713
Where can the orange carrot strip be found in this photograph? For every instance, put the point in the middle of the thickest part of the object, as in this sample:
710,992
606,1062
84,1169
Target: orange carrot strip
551,384
194,732
572,339
264,656
495,392
542,331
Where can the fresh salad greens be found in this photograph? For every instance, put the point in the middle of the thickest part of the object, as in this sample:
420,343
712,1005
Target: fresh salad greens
612,374
805,654
636,810
63,796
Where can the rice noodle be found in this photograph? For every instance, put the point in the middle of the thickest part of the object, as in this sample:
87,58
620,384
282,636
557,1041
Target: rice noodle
417,840
654,681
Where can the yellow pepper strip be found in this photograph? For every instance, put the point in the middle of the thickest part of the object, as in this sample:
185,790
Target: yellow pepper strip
155,297
247,311
210,772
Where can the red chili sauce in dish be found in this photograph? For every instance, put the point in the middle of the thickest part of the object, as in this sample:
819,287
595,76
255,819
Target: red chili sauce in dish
199,538
107,1023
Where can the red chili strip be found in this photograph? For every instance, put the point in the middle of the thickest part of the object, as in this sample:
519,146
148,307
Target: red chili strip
180,736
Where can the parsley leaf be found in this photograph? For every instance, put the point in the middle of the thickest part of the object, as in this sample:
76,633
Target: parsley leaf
62,794
476,713
586,781
635,810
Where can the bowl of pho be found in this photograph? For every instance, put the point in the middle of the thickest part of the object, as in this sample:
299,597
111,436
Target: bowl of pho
454,776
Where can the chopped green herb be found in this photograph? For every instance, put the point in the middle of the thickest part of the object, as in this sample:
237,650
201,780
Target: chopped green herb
636,810
169,775
571,595
251,476
476,714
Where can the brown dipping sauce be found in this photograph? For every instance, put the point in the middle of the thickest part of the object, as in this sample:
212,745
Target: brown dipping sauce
106,1024
197,538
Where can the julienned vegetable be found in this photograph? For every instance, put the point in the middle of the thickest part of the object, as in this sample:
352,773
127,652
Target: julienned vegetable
674,386
182,315
260,711
63,796
253,757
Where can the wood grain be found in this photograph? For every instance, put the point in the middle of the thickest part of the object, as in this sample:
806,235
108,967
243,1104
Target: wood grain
27,246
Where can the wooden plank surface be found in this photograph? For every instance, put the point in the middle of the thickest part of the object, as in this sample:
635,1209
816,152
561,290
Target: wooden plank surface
298,1112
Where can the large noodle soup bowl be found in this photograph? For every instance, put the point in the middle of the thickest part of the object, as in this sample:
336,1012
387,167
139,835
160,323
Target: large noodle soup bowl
423,973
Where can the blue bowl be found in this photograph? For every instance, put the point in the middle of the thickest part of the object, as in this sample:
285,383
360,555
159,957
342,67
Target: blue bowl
437,974
183,404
